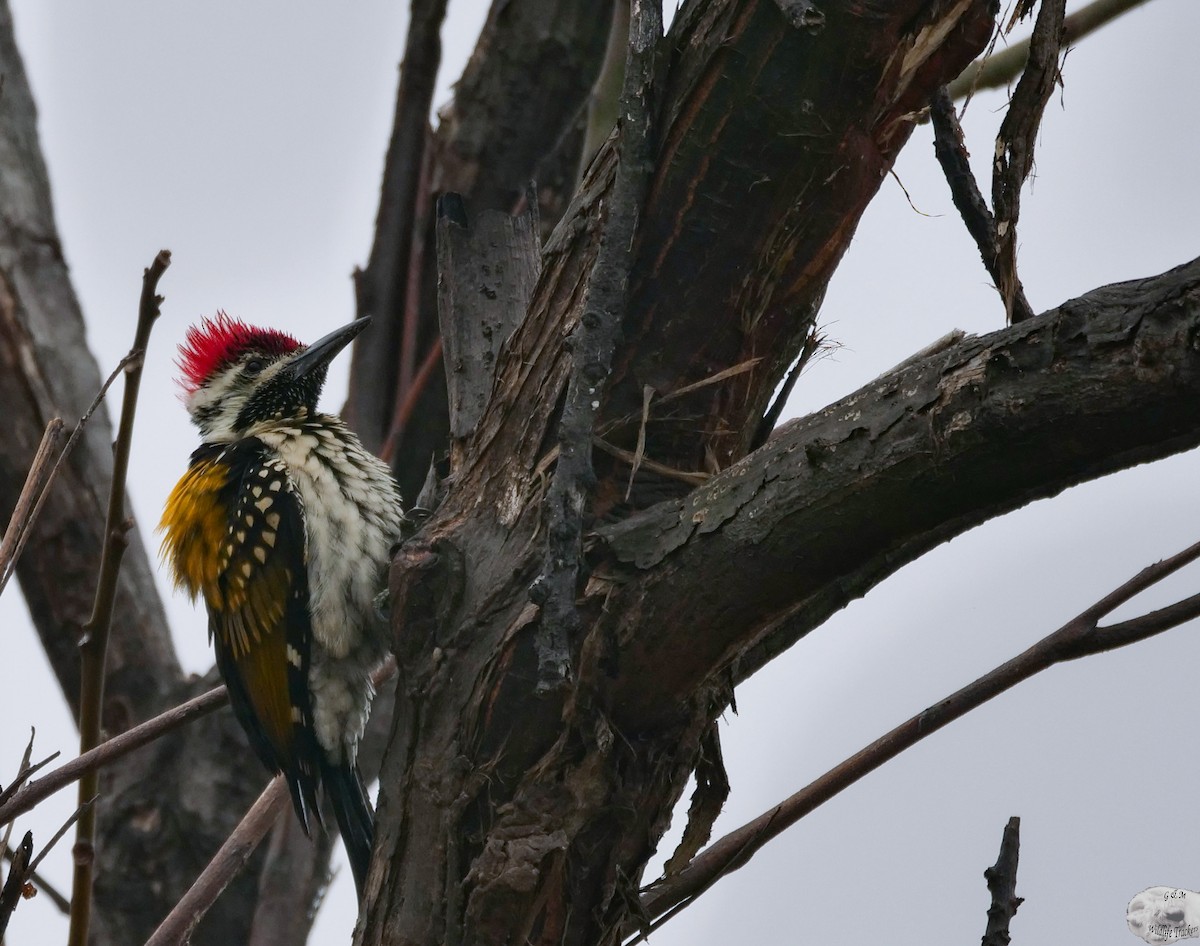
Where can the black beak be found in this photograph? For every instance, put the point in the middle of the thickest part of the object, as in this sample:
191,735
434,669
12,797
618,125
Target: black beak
321,353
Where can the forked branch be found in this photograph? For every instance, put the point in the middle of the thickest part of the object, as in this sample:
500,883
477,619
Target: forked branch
1080,637
37,790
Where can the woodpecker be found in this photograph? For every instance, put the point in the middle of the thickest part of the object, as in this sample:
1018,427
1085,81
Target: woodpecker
284,523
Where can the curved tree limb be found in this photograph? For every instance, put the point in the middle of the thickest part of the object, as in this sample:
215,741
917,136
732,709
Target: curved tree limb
914,458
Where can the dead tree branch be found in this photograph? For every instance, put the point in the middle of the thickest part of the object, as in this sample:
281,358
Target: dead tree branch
225,865
951,152
25,511
107,752
14,884
909,461
1013,158
1002,884
1080,637
94,645
43,886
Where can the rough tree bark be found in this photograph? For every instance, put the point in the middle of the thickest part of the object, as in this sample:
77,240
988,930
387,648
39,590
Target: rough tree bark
509,816
165,810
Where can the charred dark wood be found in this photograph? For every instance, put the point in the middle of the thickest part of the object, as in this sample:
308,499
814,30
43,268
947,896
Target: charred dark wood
737,239
592,344
950,149
13,891
1002,885
779,123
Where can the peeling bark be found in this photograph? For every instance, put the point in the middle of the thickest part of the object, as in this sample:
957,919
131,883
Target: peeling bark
508,815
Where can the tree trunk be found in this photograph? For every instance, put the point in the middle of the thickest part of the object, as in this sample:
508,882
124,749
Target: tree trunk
512,813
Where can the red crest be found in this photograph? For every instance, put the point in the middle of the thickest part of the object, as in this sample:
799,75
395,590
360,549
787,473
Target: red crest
217,343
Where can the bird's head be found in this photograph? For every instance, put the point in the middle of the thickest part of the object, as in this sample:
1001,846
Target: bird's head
235,376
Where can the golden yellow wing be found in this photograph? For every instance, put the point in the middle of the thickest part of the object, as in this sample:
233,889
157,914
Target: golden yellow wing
235,533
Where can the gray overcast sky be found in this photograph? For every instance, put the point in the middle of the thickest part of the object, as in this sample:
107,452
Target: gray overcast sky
248,138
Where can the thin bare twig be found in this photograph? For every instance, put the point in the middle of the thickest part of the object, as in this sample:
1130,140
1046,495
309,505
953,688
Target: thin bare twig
813,342
692,477
639,451
1079,637
44,492
66,825
23,513
21,769
225,865
998,70
94,646
715,378
951,153
23,776
1002,884
233,854
109,751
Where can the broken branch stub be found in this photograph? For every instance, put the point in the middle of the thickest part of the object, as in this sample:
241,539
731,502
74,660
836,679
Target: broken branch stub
487,270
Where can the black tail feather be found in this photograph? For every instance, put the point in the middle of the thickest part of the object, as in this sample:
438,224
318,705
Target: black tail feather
356,820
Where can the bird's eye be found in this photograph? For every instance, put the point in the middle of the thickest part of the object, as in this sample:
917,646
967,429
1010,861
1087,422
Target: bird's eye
255,366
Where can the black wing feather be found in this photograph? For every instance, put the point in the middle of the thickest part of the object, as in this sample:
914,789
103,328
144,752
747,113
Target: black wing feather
262,635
